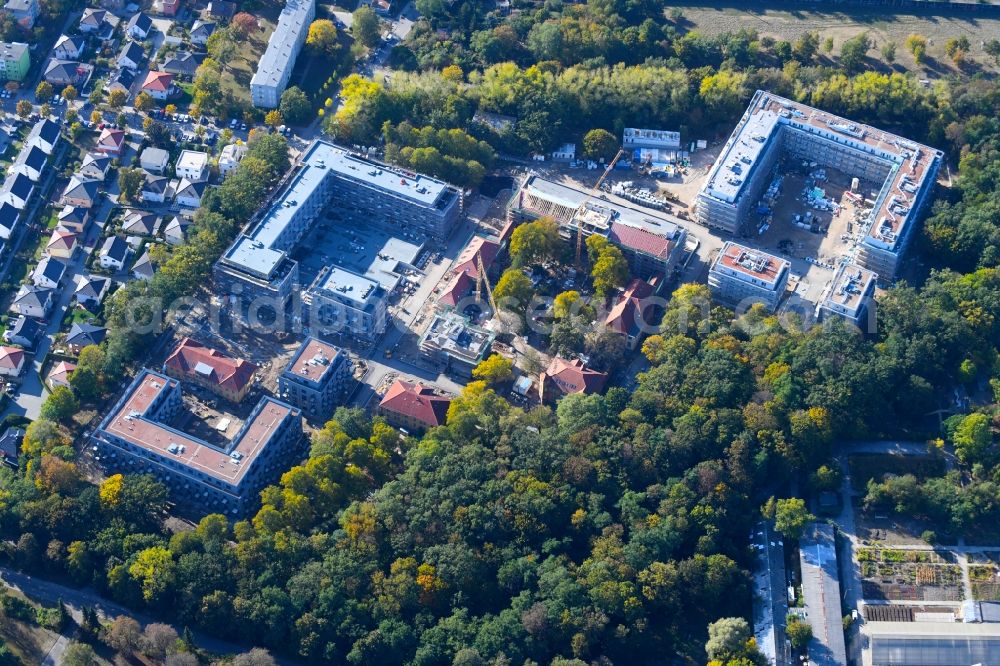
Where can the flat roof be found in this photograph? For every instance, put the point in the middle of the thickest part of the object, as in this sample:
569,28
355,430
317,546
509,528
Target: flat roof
294,18
934,643
454,335
313,360
192,159
850,287
742,260
821,594
908,161
347,285
130,423
253,256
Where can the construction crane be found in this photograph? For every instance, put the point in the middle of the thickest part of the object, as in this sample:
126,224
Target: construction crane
481,279
597,186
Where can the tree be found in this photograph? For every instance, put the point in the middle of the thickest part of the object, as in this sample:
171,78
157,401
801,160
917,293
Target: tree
43,92
221,47
569,303
79,654
513,291
806,47
889,52
273,118
295,106
854,51
494,370
534,242
599,144
992,48
605,349
158,639
799,633
60,405
69,93
610,271
143,102
791,517
917,46
727,637
366,26
130,181
255,657
117,98
23,108
154,569
124,635
972,438
243,25
322,37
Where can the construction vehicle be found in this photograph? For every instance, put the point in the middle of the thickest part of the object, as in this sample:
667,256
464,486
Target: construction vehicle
597,186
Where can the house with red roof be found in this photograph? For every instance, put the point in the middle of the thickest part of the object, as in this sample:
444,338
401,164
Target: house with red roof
414,407
230,378
647,253
159,85
60,374
632,313
564,377
11,361
466,269
166,7
111,142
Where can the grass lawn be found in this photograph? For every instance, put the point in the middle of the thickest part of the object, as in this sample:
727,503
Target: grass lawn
27,641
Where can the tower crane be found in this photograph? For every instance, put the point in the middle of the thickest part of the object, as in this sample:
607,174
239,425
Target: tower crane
597,186
481,280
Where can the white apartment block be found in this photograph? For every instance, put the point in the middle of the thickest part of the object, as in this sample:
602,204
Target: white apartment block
275,67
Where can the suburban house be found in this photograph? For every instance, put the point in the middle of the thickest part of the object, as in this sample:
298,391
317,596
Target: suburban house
139,26
176,230
11,361
24,12
95,166
83,335
80,192
17,190
111,142
15,60
143,268
74,218
182,63
90,290
154,160
159,85
67,72
413,406
99,22
564,377
230,157
60,374
68,48
10,446
154,190
9,217
24,331
62,244
192,165
131,56
189,194
230,378
114,253
32,301
201,31
223,9
48,273
44,135
121,79
31,162
140,222
166,7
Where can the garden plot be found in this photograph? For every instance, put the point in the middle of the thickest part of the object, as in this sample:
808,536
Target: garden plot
910,575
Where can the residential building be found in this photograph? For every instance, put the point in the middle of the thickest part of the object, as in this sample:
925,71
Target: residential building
44,135
84,335
80,192
230,378
60,374
121,79
68,47
230,157
154,160
317,379
95,166
90,290
175,232
24,12
167,7
221,9
275,66
99,22
114,253
17,190
821,595
327,176
10,217
455,342
11,361
651,242
140,222
48,273
225,478
189,193
903,171
347,303
111,142
74,218
563,377
62,244
67,72
414,407
32,301
139,26
10,446
31,162
131,56
851,296
192,165
201,31
143,267
155,189
15,61
632,315
740,276
159,85
182,63
23,331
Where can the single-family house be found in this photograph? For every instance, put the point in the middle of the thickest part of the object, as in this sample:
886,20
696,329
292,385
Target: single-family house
131,56
189,194
32,301
139,26
192,165
84,335
114,253
631,315
155,189
95,166
23,331
159,85
31,162
48,273
175,232
182,63
140,222
97,21
10,446
414,406
563,377
68,47
81,192
167,7
9,219
121,79
67,72
143,267
201,31
111,142
17,190
154,160
222,9
24,12
44,135
90,290
11,361
230,157
60,374
74,218
62,244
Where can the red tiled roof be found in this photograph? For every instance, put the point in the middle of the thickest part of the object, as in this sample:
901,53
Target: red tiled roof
228,373
111,137
160,81
11,357
457,289
466,262
573,376
62,238
640,240
416,401
627,310
62,371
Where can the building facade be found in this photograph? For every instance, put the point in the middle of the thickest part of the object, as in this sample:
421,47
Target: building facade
741,275
851,296
275,67
346,303
15,61
317,379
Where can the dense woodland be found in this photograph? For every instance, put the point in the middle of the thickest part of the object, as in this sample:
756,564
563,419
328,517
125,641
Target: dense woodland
612,529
